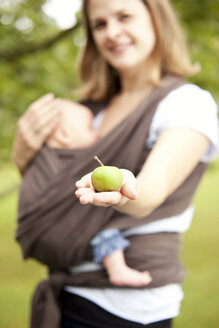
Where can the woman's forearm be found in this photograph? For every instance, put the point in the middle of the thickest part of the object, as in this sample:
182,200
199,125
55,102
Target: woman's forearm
151,195
174,157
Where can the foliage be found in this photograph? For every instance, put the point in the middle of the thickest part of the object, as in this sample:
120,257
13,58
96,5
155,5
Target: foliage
23,25
200,20
26,78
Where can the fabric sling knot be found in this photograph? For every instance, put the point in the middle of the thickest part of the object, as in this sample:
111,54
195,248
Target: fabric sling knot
51,222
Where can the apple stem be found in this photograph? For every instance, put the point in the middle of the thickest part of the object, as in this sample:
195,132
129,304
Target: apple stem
97,159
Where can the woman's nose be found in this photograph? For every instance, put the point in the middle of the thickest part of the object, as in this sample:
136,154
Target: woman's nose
113,30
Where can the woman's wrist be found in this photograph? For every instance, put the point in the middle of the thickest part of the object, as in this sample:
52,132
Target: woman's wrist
22,154
150,196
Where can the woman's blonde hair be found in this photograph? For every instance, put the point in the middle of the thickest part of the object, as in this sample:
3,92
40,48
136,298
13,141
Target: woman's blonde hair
99,80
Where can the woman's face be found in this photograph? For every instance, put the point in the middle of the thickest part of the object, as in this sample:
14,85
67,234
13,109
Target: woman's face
123,32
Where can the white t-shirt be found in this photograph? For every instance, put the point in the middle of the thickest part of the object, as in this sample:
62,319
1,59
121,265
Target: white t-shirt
191,107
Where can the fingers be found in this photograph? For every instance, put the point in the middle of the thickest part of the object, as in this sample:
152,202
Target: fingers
85,195
42,101
129,190
48,128
39,121
111,197
89,196
51,115
84,182
33,135
39,115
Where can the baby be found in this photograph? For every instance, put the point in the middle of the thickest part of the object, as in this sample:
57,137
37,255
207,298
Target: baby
75,131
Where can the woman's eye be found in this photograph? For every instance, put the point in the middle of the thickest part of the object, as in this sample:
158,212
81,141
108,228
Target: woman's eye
98,26
124,17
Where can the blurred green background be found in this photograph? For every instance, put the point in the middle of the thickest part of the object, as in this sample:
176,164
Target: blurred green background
37,57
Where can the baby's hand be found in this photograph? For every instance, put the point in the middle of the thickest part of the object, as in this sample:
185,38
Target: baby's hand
86,194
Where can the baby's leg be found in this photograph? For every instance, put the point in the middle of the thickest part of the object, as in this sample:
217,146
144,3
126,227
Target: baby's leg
121,274
108,246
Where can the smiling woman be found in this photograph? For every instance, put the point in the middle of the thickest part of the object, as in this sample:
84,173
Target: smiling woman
114,257
164,40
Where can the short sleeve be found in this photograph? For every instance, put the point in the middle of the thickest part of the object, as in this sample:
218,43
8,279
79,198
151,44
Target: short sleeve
191,107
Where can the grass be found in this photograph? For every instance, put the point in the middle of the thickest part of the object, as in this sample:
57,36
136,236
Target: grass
9,177
17,279
200,254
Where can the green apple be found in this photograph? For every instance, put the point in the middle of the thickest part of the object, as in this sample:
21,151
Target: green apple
106,178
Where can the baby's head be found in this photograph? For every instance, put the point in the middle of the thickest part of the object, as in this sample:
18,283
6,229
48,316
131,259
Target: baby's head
75,130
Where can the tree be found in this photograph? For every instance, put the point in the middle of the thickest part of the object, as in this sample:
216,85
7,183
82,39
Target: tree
200,20
36,57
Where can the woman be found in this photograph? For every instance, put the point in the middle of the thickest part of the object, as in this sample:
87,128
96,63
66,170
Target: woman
151,123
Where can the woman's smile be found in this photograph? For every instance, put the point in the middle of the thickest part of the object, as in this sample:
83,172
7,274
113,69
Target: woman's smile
120,49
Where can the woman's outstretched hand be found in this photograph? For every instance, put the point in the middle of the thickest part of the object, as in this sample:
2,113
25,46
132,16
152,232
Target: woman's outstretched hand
87,195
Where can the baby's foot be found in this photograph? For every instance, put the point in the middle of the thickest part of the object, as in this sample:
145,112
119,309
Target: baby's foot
130,277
